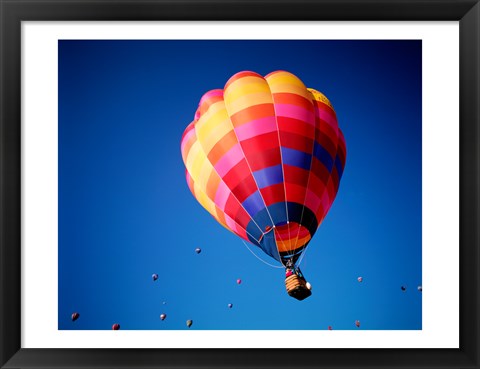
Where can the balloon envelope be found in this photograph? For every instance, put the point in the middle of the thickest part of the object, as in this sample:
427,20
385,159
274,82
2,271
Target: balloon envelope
357,323
230,305
360,279
189,323
198,250
419,288
264,156
154,277
116,327
239,281
163,316
75,316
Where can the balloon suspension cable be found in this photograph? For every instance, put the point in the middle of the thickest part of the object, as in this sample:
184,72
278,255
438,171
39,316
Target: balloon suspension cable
259,258
300,259
274,230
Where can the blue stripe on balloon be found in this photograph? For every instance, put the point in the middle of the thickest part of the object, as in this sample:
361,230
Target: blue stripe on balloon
253,203
296,158
278,213
297,213
323,156
264,217
268,176
269,245
261,219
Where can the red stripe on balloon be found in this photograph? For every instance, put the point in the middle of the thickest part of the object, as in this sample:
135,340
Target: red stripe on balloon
295,193
273,194
292,125
245,188
296,142
296,175
237,174
326,131
264,159
252,112
320,171
292,99
259,143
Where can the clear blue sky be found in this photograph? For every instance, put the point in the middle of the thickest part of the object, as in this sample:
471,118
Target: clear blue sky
125,211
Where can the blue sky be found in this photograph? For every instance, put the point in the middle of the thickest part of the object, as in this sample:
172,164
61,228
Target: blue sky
125,211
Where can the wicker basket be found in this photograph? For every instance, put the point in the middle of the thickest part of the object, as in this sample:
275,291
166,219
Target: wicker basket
296,287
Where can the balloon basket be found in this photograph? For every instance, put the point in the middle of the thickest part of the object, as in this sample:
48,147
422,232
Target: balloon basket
297,287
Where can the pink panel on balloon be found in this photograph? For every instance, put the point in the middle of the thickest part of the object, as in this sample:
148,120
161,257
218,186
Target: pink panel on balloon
296,112
230,222
256,127
221,196
229,160
328,117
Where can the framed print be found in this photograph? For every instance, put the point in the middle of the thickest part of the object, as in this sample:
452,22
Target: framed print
239,184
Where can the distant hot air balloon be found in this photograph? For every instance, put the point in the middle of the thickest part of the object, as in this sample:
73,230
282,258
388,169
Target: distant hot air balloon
154,277
330,328
164,303
163,316
116,327
230,305
75,316
264,156
419,288
360,279
189,323
198,250
239,281
403,288
357,323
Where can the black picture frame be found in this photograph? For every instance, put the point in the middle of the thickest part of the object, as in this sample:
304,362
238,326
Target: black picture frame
13,12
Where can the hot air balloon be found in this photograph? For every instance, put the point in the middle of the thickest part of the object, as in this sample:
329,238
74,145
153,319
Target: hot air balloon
198,250
357,323
189,323
230,305
330,328
403,288
239,281
360,279
75,316
163,316
116,327
419,288
264,156
154,277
